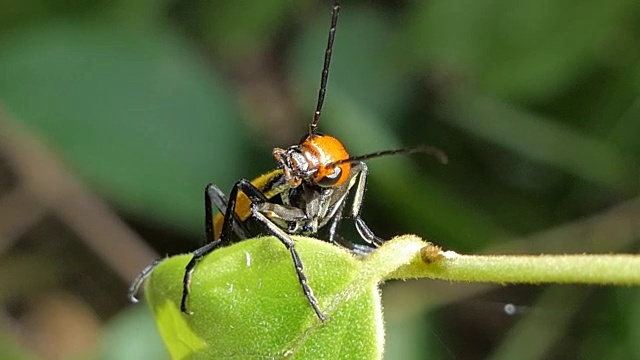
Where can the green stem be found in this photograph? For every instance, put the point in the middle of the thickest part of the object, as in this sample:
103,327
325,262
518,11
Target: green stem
603,269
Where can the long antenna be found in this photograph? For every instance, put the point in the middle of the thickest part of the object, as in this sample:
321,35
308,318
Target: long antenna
325,68
433,151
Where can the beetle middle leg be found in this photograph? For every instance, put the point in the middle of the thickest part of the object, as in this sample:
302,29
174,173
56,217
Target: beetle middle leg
362,171
335,238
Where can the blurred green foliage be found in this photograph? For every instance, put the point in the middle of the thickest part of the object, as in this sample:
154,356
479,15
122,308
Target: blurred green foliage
11,351
535,102
132,335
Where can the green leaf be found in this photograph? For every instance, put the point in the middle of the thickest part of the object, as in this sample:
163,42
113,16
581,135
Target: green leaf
247,304
518,49
132,335
260,20
10,349
544,140
134,111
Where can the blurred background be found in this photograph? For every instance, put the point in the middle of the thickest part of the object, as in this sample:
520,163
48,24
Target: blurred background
114,114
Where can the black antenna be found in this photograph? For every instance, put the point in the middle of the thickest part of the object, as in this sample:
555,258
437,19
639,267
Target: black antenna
325,68
433,151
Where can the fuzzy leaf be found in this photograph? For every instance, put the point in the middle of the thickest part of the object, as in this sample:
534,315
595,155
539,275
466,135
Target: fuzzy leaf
247,304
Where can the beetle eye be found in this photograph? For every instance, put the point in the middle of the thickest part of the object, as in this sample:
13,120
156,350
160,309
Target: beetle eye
331,179
298,162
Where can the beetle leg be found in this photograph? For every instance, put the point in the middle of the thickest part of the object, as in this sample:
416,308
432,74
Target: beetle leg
227,229
288,213
335,238
214,195
140,278
297,262
364,231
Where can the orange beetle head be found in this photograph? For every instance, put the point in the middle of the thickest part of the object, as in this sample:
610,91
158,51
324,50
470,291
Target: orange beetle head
313,161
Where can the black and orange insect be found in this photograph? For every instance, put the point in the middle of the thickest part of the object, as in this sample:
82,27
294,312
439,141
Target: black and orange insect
307,192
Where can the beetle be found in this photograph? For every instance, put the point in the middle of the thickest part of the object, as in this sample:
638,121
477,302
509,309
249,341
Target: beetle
305,193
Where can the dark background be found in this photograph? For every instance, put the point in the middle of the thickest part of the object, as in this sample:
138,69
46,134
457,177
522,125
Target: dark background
133,106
